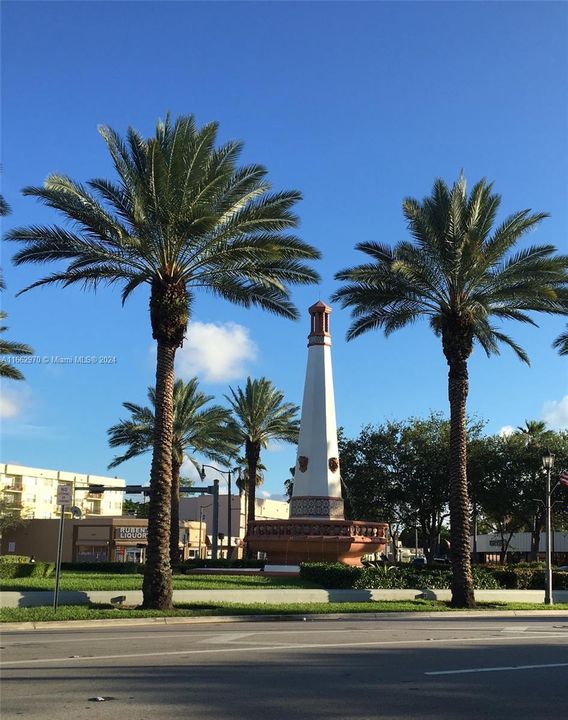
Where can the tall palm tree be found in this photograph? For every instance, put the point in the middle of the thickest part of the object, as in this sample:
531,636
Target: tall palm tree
561,343
196,429
461,275
182,217
260,415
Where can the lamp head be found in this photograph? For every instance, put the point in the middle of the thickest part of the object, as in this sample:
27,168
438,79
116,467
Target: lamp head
547,460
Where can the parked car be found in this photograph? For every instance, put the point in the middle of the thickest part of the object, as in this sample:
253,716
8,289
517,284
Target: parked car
418,561
563,568
442,560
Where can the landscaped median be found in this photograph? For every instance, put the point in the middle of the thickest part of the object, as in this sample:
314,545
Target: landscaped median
234,611
336,588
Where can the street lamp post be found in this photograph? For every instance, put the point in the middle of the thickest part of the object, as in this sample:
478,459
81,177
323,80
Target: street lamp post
201,521
548,464
228,473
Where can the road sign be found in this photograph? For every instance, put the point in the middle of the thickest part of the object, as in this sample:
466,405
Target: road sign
64,495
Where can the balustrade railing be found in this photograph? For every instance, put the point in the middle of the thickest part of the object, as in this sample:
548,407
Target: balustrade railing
289,528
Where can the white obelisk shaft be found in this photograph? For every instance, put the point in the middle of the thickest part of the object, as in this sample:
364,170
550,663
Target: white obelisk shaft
317,486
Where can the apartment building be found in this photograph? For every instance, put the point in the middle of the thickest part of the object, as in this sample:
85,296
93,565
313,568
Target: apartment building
33,492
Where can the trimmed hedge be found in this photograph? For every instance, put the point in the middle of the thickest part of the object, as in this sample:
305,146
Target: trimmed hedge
114,568
131,568
14,559
330,575
337,575
26,569
187,565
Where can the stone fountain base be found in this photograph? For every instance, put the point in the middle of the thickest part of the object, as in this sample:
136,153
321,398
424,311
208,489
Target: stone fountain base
290,542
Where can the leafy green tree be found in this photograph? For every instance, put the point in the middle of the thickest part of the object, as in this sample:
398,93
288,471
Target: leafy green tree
399,472
196,429
260,415
10,516
135,509
507,479
182,217
460,275
496,466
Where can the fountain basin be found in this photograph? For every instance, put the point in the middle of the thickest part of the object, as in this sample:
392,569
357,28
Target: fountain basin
290,542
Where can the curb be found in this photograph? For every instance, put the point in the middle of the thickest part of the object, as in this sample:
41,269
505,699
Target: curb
212,620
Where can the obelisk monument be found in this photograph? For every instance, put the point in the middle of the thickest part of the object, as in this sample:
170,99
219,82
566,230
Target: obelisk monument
316,530
317,485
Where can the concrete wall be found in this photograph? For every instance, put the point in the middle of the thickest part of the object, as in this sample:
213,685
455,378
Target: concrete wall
134,597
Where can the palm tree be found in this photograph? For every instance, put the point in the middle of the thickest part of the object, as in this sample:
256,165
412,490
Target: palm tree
183,216
534,431
460,274
4,207
7,370
196,429
561,343
261,415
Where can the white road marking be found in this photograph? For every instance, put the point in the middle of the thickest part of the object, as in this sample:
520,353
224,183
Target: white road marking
496,669
517,628
225,637
273,648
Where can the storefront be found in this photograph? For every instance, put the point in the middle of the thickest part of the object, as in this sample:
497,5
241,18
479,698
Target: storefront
105,539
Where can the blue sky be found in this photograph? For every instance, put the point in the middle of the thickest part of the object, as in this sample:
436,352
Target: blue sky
355,104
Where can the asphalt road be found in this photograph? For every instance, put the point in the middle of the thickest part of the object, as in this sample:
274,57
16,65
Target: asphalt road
475,667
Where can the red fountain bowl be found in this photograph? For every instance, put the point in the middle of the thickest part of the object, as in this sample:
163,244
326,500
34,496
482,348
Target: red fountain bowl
297,540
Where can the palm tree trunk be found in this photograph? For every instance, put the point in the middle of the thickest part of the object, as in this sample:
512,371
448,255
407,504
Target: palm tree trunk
462,578
252,453
157,585
174,529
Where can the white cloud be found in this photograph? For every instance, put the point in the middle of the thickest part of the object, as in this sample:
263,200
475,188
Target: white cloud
266,494
216,352
555,413
506,431
13,400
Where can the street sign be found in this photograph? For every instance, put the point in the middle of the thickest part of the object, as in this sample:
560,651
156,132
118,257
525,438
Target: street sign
64,495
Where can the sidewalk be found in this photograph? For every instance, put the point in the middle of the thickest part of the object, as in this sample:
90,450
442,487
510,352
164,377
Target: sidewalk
119,622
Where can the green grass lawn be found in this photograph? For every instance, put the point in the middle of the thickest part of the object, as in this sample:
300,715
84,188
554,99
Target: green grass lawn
97,581
97,612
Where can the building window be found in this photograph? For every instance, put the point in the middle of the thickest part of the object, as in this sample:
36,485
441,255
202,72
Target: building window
91,553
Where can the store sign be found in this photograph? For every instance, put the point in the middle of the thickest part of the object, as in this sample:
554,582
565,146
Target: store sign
131,533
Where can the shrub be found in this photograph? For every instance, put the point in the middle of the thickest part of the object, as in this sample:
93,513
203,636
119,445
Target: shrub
14,558
116,568
27,569
330,575
188,565
385,577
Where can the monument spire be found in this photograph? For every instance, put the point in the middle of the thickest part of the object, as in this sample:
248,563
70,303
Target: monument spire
317,486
